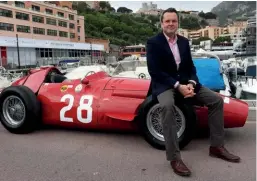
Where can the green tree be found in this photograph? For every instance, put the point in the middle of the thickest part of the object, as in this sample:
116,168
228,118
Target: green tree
190,23
123,29
107,30
222,39
104,5
124,10
197,41
208,15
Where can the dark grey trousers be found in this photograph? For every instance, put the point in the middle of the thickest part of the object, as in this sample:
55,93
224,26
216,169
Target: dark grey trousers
215,115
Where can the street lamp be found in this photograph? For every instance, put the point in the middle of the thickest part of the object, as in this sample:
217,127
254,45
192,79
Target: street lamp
91,52
18,51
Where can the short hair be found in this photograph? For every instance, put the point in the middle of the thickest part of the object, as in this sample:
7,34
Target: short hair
169,10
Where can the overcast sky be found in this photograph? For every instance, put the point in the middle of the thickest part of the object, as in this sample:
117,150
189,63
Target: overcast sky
204,6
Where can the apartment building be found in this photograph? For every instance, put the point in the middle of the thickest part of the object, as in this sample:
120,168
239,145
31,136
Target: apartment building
41,20
214,32
250,33
149,9
93,4
183,32
44,29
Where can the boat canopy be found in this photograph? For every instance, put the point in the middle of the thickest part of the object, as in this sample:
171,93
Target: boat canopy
209,73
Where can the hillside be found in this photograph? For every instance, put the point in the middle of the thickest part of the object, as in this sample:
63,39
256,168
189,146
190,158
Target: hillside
234,10
121,26
120,29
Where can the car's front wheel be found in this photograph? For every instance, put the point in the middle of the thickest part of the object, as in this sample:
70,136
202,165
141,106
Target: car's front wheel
19,109
151,125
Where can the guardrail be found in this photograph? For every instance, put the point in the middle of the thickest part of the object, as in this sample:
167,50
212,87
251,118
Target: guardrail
251,104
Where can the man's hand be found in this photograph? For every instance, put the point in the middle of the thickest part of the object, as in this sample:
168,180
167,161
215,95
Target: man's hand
191,88
186,91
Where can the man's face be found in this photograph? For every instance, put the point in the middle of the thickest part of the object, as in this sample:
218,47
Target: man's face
170,23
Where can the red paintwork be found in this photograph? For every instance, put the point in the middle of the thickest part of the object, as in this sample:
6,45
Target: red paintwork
35,78
115,101
235,113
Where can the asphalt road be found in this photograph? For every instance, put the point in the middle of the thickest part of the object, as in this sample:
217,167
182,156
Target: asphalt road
61,155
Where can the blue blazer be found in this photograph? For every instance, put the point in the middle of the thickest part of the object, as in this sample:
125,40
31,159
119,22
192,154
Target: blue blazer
162,66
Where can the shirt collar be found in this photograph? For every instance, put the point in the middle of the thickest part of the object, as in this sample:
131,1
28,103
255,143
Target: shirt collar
172,41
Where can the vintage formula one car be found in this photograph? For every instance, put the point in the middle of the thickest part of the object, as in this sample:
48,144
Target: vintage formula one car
102,102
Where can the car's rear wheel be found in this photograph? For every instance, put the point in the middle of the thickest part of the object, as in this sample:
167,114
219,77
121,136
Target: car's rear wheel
19,109
151,125
154,124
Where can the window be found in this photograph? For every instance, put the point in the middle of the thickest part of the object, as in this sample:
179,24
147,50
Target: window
44,52
39,31
71,17
63,23
52,32
35,8
79,38
63,34
24,29
49,11
4,2
60,14
37,19
78,29
72,35
22,16
50,21
72,26
6,13
20,4
6,26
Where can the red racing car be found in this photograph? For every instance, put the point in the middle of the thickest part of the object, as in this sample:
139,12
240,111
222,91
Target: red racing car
101,102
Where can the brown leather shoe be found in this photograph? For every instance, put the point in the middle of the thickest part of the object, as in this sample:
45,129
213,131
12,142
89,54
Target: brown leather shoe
221,152
180,168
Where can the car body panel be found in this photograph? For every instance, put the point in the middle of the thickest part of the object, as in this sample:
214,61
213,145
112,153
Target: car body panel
115,102
35,78
73,103
128,84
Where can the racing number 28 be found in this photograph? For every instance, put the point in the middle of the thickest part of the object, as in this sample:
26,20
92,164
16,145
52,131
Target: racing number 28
82,106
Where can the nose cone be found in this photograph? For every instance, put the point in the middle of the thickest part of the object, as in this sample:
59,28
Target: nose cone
235,112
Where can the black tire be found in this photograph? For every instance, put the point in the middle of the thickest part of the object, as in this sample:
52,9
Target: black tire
32,109
190,124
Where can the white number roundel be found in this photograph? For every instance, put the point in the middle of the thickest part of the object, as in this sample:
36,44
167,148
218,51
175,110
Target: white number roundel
82,106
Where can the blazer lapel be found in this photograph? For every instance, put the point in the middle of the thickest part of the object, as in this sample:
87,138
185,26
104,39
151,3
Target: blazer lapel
166,45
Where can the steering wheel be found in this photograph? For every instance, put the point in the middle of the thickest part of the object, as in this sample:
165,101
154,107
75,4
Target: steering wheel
90,73
50,76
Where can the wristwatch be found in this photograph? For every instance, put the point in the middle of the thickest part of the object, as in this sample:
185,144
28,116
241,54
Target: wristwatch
193,84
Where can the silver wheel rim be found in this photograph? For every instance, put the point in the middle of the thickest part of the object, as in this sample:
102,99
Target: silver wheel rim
154,123
13,110
142,76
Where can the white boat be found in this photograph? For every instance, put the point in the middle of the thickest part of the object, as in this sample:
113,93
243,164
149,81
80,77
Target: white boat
242,77
136,68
